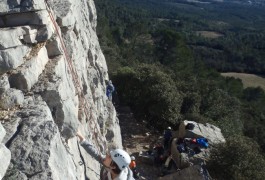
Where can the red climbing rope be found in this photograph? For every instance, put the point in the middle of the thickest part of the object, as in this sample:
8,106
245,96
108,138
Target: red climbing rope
83,102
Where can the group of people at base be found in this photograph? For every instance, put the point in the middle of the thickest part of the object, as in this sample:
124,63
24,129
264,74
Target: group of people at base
115,163
190,146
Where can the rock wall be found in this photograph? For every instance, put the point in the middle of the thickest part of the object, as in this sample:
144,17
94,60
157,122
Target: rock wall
5,154
52,82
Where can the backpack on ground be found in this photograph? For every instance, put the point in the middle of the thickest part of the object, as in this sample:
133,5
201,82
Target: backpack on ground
181,148
202,142
190,126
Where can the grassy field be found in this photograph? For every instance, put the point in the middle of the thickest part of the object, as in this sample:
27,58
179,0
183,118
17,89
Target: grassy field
209,34
249,80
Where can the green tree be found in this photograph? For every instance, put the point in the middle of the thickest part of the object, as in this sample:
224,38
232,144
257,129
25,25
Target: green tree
239,158
151,92
224,110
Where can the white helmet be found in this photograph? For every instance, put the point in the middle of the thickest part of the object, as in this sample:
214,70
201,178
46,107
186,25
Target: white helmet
121,158
133,158
169,127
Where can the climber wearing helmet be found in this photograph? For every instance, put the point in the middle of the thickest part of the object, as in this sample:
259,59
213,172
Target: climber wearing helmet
133,168
115,164
133,163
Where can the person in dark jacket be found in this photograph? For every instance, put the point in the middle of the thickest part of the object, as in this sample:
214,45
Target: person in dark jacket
115,164
167,137
110,89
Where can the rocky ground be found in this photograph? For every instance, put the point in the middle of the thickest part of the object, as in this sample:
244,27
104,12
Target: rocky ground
137,137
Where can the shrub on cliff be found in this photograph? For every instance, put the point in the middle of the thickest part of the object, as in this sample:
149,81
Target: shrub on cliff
151,92
224,110
238,158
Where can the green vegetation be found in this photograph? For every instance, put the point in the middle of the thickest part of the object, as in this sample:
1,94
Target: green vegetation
151,93
167,72
239,158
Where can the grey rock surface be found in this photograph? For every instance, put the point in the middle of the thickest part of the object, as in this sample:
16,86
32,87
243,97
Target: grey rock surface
64,89
11,128
58,91
211,132
4,84
53,47
10,37
2,132
16,6
12,58
10,98
5,157
27,75
36,147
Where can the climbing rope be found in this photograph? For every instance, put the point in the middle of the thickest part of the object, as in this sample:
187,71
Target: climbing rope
78,88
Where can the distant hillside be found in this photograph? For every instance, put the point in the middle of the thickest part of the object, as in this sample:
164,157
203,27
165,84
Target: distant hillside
248,80
247,2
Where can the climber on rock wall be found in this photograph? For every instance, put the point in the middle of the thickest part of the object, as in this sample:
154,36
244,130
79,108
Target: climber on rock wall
110,89
115,163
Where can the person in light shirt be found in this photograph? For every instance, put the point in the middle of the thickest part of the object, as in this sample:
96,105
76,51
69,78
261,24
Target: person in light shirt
115,164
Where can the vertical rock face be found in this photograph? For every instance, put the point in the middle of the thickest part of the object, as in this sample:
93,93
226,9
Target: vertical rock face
52,82
5,154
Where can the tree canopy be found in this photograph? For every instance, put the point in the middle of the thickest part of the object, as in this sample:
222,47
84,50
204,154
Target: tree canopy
165,64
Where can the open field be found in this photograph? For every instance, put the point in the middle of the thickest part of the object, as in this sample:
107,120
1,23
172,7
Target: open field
209,34
249,80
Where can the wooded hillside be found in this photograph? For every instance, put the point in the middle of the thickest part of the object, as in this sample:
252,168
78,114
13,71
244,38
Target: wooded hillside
165,58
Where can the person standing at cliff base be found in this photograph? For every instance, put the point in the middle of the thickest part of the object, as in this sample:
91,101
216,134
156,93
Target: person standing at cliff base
167,137
115,164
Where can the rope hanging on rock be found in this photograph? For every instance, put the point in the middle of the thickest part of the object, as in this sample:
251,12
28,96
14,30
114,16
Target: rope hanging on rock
78,88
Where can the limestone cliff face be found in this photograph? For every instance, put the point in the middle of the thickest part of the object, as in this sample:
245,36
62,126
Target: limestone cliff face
52,82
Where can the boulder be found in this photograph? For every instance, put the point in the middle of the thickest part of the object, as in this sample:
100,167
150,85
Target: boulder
45,33
53,47
210,132
29,36
10,98
63,11
11,58
25,77
10,37
18,36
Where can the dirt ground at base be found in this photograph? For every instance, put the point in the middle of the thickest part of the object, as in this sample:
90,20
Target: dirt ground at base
137,137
